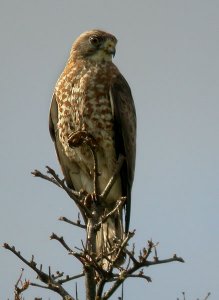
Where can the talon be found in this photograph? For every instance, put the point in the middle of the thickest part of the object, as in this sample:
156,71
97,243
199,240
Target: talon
88,201
77,138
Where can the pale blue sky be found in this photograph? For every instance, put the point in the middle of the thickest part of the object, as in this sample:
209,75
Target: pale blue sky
169,53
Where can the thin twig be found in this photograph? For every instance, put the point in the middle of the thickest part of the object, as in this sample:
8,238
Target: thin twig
147,278
43,276
131,256
136,266
208,295
37,173
163,261
96,172
64,219
69,278
113,288
76,196
122,246
104,218
113,178
76,291
61,240
100,288
40,285
19,290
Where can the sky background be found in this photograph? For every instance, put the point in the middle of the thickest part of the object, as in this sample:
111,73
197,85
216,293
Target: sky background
168,51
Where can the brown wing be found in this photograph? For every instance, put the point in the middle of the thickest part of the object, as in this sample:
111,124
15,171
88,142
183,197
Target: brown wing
66,165
125,135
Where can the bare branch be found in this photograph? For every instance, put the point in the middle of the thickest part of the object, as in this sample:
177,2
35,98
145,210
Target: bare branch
114,287
19,290
37,173
114,177
123,246
45,278
208,295
140,275
61,240
69,278
134,260
76,291
78,224
78,197
93,214
100,288
104,218
39,285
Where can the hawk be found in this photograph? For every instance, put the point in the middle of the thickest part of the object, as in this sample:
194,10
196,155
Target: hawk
92,96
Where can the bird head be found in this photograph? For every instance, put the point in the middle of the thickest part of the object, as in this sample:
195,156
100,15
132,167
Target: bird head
95,45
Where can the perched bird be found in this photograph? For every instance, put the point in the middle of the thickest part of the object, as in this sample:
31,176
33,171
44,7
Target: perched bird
92,96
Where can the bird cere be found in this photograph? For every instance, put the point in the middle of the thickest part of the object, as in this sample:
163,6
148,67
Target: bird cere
93,123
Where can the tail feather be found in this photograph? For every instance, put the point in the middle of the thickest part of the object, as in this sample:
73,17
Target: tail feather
108,238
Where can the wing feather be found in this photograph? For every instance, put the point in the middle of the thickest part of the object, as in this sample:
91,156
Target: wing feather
66,165
125,135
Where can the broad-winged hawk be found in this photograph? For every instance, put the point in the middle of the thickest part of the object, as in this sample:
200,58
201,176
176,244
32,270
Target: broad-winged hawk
91,95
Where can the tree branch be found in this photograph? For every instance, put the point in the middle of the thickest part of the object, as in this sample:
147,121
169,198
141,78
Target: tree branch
42,276
93,214
69,278
112,180
104,218
78,197
78,224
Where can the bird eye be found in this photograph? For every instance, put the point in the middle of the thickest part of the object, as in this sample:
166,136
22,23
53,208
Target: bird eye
95,40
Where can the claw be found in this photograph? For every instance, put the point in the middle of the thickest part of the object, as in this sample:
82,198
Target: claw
80,137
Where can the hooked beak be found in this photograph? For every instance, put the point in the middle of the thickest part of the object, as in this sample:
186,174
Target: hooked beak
110,48
112,51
